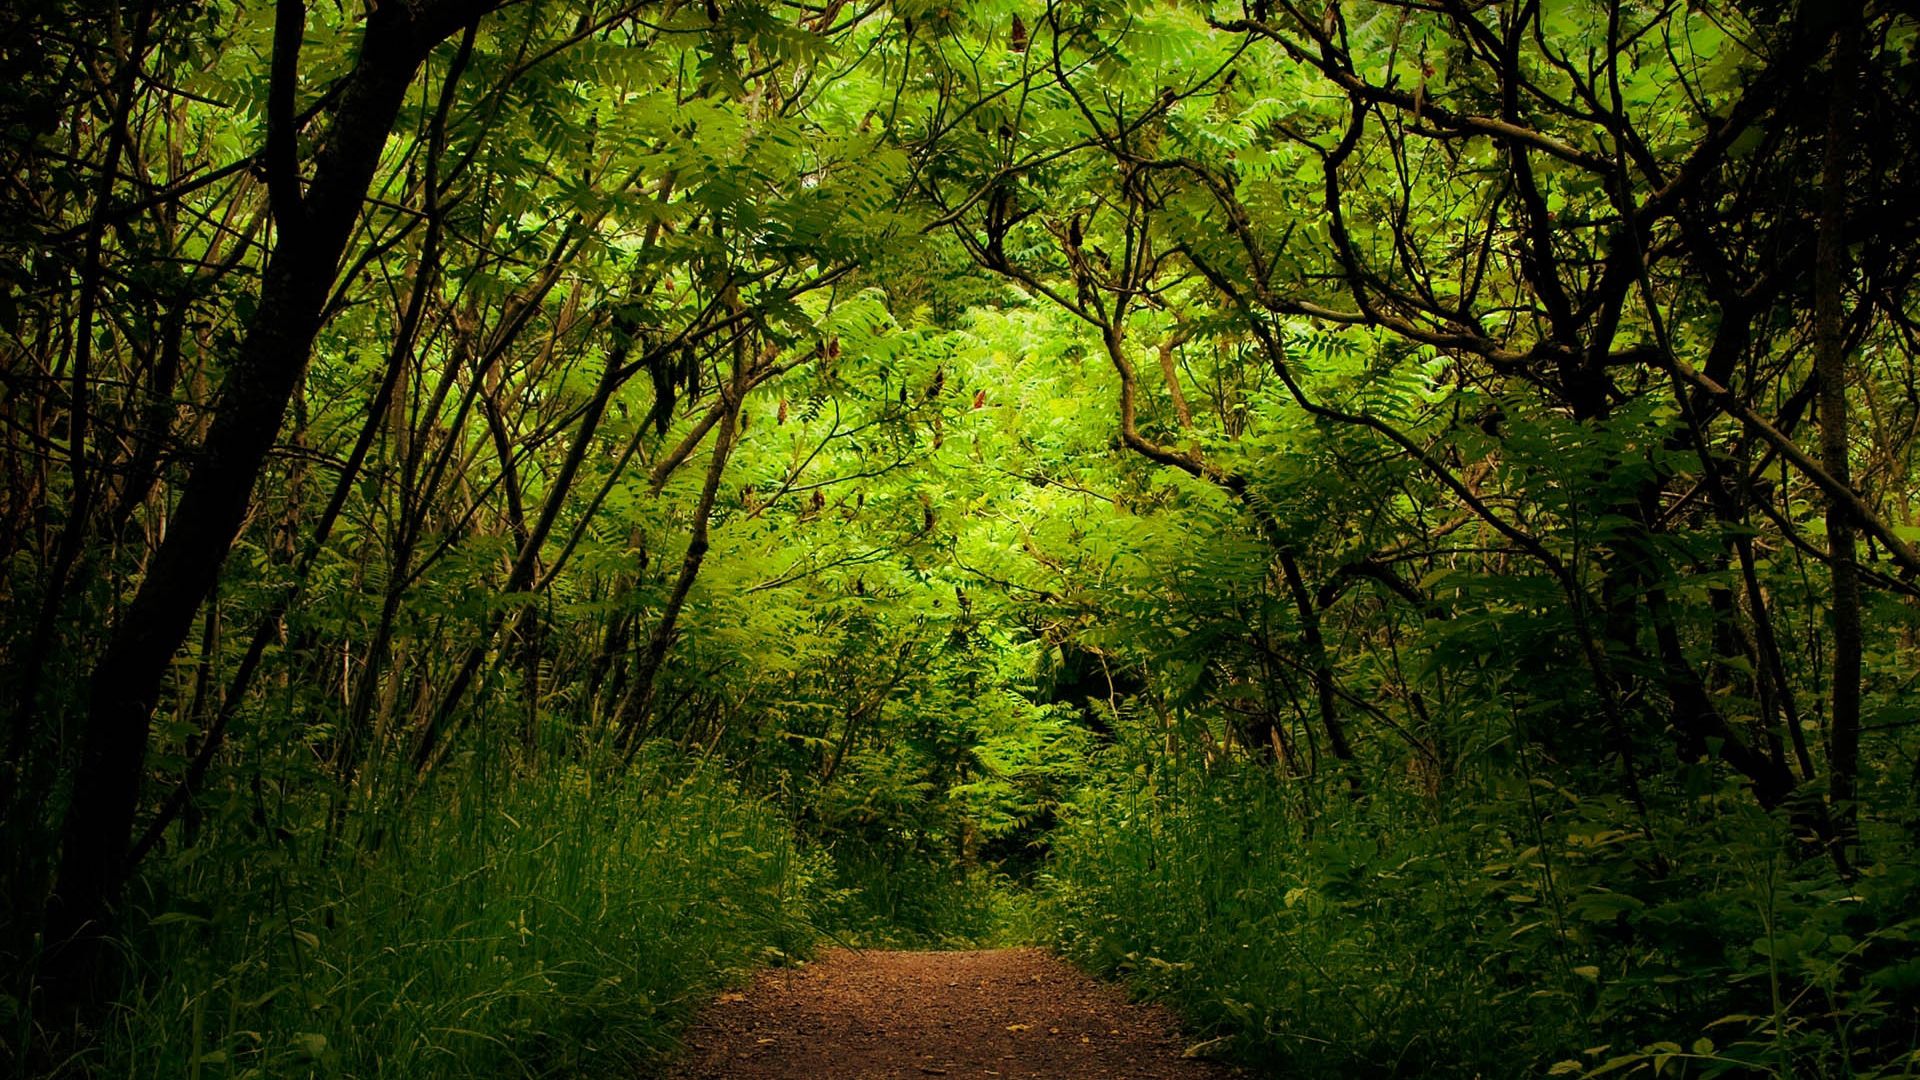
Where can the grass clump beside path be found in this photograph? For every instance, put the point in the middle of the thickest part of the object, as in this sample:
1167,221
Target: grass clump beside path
509,926
1501,936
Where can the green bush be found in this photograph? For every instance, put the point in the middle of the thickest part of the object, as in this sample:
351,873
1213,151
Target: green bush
1531,931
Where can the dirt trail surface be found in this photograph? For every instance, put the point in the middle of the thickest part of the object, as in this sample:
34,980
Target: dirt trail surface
909,1015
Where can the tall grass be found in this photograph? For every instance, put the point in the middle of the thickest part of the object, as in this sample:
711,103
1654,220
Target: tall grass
1516,934
541,925
1311,954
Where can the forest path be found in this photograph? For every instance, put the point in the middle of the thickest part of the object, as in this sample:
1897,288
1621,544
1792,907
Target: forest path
881,1015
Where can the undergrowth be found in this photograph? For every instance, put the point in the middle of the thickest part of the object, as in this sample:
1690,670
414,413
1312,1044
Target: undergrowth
920,903
1529,932
544,925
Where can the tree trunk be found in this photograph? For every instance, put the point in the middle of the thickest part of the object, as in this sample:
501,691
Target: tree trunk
1323,684
638,702
267,368
1843,725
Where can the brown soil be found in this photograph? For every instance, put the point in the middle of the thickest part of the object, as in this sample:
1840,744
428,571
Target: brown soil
909,1015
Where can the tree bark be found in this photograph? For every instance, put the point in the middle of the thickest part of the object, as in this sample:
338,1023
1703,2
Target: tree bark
269,364
638,702
1830,369
1324,689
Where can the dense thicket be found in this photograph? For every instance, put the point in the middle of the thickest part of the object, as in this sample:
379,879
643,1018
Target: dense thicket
1392,523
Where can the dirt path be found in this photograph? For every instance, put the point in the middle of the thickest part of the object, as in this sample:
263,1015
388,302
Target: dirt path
909,1015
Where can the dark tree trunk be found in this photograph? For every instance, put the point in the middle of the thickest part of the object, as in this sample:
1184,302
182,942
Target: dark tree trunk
1323,685
1830,368
271,359
638,703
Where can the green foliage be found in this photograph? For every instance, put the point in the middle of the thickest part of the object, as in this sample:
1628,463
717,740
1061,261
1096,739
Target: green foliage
508,926
1512,933
1326,512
